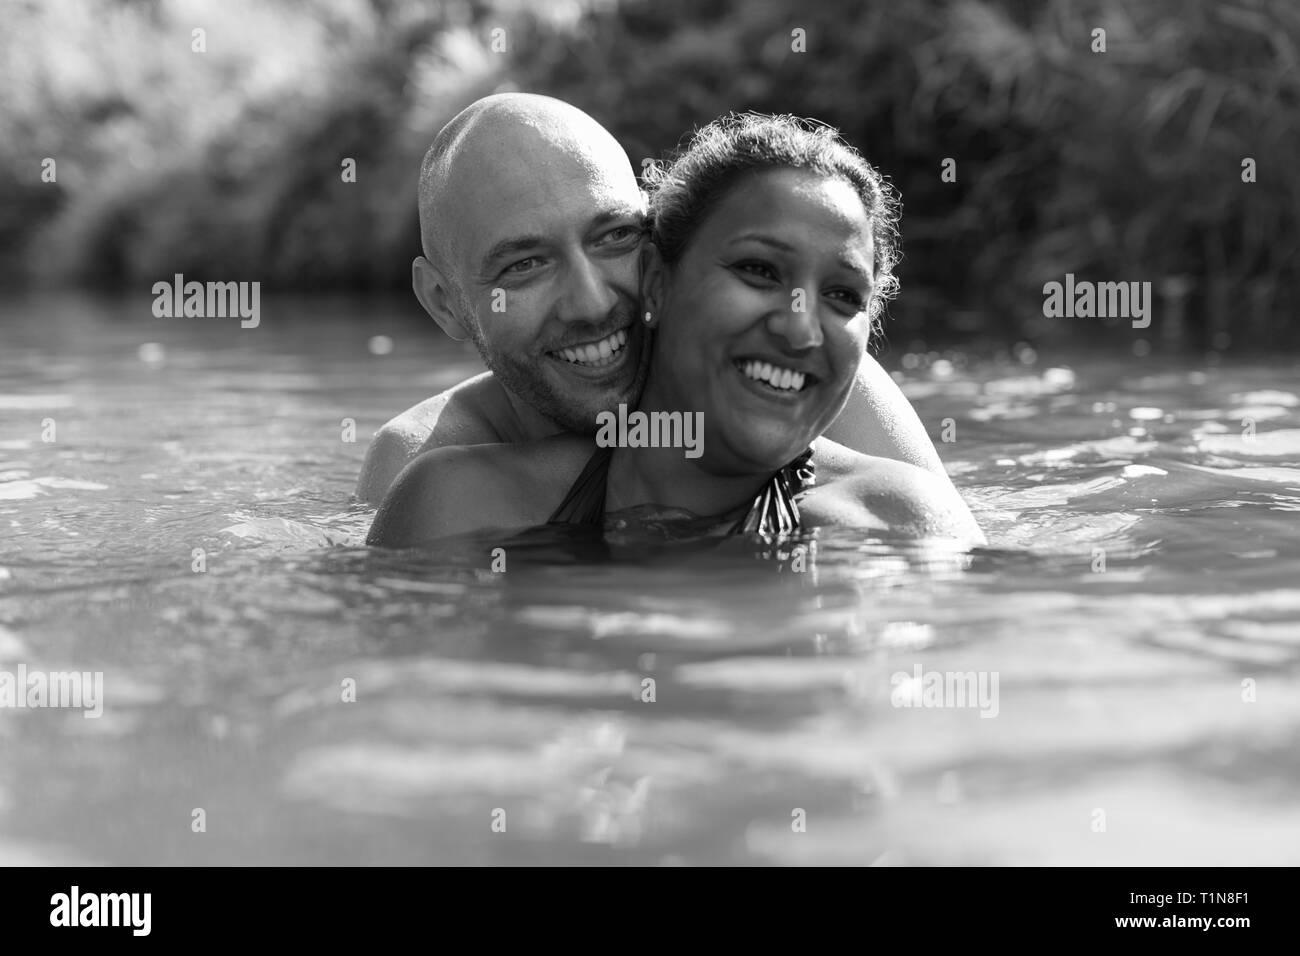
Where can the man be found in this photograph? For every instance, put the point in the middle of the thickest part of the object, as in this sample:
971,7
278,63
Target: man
531,222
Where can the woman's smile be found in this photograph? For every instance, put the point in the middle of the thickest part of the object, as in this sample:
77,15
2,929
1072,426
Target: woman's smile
774,388
764,320
781,378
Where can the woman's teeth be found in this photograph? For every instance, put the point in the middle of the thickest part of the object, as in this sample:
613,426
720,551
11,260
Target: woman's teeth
596,354
782,379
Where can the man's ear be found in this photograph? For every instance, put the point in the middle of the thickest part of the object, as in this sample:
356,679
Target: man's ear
653,278
435,294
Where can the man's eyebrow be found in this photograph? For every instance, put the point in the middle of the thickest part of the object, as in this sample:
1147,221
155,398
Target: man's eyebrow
607,216
508,246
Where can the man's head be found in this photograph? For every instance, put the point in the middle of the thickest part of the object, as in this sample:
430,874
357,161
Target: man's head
532,223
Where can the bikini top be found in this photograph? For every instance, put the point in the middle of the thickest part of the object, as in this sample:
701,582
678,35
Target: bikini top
774,510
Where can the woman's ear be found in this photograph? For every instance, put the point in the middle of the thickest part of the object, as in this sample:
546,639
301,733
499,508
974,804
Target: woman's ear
653,278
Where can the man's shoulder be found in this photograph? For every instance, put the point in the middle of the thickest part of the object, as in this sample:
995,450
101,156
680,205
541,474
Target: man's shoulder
460,415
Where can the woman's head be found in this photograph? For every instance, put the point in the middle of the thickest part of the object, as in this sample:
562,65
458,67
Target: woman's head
774,245
718,156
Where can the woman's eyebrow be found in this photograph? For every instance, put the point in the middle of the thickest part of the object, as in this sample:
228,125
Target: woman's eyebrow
764,239
844,263
857,270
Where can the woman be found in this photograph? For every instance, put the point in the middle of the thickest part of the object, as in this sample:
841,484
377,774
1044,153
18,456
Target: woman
771,255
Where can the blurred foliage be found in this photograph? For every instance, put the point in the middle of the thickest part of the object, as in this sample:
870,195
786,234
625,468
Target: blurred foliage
1123,165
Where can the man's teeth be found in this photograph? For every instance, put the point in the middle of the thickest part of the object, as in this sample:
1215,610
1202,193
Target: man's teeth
596,354
785,379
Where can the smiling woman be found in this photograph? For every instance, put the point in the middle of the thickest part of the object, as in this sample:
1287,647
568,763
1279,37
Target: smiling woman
773,247
772,284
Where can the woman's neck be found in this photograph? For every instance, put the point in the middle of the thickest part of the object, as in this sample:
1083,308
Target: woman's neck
666,477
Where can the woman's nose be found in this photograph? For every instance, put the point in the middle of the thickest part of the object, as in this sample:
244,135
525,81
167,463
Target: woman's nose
797,323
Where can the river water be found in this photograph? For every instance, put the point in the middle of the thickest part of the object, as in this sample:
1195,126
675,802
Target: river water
175,499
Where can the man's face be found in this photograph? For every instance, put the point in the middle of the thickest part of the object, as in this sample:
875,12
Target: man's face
546,245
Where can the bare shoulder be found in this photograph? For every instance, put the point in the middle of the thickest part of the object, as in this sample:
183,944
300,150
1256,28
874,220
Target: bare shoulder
458,489
857,490
461,415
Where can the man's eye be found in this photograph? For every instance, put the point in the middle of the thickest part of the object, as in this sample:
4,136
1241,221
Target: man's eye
523,265
622,234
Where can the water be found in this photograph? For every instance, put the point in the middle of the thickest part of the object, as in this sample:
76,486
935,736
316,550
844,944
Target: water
1145,713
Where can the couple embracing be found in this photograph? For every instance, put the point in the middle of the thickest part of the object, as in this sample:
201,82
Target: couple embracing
739,290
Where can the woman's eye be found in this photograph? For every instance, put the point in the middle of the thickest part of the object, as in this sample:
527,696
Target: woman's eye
621,234
756,268
850,298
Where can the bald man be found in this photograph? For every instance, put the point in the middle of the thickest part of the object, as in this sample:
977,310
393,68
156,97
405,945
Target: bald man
531,222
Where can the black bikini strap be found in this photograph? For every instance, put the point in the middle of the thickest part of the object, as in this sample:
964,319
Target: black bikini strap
776,509
585,502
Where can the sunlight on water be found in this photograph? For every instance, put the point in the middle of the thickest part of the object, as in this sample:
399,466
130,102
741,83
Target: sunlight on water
188,532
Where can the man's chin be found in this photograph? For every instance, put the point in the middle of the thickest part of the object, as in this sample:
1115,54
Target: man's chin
572,401
578,412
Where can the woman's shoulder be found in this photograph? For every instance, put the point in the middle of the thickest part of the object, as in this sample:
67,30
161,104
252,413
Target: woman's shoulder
858,490
507,463
464,488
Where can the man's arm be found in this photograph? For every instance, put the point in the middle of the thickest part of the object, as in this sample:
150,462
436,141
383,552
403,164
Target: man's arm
453,417
879,420
854,490
919,502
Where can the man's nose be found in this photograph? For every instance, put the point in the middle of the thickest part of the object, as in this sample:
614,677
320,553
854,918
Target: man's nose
798,324
588,295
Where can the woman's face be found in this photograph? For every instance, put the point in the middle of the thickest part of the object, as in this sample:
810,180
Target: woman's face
762,321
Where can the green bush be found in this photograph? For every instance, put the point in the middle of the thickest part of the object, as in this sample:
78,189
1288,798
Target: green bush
1122,165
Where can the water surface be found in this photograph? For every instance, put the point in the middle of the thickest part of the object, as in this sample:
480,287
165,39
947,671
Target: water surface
1139,604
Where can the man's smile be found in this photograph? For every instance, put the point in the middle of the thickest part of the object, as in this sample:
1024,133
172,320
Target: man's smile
598,354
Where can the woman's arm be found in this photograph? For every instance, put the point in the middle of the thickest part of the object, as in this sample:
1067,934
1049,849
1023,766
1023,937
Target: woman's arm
443,492
459,489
